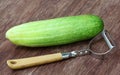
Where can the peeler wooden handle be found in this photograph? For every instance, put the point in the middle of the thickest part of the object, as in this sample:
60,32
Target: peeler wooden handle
33,61
44,59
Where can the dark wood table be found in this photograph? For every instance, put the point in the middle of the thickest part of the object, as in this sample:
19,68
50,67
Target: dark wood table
14,12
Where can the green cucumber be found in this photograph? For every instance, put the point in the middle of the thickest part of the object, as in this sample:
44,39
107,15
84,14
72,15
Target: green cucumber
56,31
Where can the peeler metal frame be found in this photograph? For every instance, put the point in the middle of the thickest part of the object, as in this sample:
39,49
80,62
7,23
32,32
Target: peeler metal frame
110,44
105,35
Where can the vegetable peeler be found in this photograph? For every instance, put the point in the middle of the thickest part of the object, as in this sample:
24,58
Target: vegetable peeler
39,60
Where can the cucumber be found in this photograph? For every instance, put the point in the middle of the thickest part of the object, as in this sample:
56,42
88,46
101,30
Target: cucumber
56,31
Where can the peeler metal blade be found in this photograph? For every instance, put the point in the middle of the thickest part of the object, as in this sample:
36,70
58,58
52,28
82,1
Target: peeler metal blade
108,40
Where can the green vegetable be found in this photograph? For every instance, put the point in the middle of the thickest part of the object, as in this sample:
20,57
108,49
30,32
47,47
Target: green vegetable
56,31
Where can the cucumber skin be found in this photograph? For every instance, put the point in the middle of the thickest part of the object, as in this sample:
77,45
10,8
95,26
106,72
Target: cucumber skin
56,31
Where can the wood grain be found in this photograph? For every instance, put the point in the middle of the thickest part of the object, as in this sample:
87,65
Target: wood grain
14,12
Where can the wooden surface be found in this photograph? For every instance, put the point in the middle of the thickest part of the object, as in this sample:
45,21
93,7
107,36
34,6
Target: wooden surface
14,12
